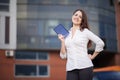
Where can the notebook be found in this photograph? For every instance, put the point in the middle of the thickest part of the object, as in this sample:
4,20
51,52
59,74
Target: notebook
60,29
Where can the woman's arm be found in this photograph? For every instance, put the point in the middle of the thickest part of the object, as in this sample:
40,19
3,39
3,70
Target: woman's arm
92,56
99,44
63,48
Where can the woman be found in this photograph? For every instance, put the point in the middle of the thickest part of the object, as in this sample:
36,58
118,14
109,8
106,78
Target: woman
74,47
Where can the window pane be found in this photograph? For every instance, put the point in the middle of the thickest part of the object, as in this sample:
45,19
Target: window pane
4,1
4,5
108,33
43,70
34,55
54,1
7,28
4,8
82,1
25,55
21,1
43,55
25,70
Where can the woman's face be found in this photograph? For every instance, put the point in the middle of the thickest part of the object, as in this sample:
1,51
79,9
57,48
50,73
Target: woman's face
77,18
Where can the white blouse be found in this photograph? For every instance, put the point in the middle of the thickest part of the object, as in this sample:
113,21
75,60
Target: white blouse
76,46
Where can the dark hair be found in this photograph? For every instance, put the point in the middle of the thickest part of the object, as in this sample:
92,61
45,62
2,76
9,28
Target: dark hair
84,23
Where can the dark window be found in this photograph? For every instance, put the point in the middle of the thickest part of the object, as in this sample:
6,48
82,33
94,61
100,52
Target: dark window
108,34
25,70
31,70
4,1
111,2
83,1
31,55
7,30
43,70
4,5
25,55
43,55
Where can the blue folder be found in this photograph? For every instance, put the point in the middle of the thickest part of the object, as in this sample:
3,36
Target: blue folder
60,29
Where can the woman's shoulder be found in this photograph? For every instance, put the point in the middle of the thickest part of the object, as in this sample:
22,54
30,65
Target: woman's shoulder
86,30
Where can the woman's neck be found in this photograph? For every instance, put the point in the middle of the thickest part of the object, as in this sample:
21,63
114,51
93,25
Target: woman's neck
76,26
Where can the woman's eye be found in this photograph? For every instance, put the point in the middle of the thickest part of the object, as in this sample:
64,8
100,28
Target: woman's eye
76,14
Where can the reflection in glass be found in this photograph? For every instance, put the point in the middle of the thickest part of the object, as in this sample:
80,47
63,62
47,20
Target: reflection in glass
4,5
31,70
25,55
43,70
25,70
42,55
37,18
31,55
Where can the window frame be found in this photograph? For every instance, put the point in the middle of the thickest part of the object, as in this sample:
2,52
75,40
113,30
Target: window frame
36,56
37,71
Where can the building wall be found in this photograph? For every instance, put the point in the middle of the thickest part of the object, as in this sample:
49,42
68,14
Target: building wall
117,9
8,25
57,67
117,59
6,67
117,12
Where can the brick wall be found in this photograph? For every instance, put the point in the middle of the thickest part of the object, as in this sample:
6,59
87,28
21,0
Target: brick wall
6,67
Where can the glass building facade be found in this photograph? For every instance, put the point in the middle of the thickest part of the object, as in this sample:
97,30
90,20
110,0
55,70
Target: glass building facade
37,18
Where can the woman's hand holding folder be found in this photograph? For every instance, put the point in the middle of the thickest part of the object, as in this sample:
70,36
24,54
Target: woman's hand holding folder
61,37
